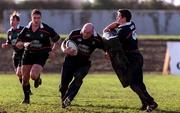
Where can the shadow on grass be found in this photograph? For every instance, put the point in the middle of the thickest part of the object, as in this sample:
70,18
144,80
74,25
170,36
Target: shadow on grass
122,108
106,107
166,111
3,111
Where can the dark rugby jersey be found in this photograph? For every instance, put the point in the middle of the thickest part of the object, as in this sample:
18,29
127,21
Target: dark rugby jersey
127,35
12,35
40,40
85,46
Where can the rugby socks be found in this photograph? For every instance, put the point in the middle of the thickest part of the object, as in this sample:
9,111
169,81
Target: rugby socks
30,92
26,90
20,80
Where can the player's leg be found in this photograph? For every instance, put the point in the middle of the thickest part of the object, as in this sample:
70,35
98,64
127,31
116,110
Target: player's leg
38,64
16,61
25,83
148,102
17,67
66,78
17,58
136,82
74,87
151,105
19,74
27,61
35,74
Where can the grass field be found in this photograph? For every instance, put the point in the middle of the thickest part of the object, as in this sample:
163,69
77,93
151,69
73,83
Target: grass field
98,94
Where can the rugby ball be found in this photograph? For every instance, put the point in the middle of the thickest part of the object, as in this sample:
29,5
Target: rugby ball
73,45
110,34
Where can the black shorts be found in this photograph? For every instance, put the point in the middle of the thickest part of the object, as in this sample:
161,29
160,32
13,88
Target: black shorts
30,58
17,57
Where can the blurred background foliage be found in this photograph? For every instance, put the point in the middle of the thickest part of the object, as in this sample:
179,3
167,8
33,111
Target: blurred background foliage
87,4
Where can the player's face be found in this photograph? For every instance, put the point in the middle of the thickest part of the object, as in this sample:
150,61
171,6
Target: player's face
36,19
13,22
87,33
119,18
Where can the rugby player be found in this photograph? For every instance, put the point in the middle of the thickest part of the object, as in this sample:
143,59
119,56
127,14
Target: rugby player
76,66
132,74
36,37
12,35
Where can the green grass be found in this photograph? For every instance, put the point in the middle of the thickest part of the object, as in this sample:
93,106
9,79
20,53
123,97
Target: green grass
159,37
98,94
3,36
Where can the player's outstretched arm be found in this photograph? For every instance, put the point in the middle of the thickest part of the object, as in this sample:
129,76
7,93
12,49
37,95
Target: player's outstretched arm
111,26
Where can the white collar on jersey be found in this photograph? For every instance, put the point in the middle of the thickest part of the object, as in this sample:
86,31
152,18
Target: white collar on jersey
29,25
18,26
127,23
95,33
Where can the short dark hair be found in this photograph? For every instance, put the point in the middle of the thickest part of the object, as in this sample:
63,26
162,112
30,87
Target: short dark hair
125,13
15,14
35,11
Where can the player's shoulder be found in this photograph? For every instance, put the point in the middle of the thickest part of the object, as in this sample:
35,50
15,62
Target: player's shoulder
75,33
127,26
9,30
45,26
21,27
97,37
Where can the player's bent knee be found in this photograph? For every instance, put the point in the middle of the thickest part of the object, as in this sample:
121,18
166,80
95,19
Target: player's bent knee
18,73
78,81
35,71
34,74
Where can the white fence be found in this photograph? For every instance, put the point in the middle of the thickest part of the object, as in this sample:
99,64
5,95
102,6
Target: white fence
63,21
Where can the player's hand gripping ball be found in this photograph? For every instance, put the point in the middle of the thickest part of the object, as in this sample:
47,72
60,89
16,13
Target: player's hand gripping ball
71,44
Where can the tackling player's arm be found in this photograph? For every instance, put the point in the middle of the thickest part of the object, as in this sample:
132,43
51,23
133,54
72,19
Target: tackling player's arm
100,43
101,46
111,26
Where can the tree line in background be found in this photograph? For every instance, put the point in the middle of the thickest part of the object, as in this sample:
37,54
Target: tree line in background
130,4
98,4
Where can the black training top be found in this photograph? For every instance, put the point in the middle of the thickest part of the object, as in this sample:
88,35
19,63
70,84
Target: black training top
85,46
12,35
127,35
40,40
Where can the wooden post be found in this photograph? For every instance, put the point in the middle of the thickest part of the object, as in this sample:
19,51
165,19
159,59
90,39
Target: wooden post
166,63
